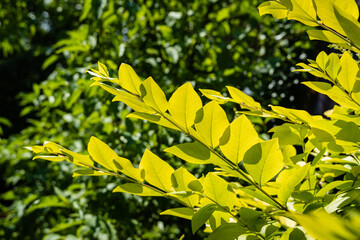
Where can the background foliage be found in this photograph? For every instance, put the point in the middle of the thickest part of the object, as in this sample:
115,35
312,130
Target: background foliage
45,46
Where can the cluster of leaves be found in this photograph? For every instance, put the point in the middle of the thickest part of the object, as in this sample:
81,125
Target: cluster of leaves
211,42
301,183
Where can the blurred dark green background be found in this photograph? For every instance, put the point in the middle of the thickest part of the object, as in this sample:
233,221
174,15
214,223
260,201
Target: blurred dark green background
46,47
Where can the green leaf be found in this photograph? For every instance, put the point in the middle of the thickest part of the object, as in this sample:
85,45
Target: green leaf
157,171
182,180
241,98
289,179
63,226
321,60
86,9
219,191
129,80
293,234
129,99
276,9
103,69
238,138
36,149
154,118
215,95
263,161
183,212
324,226
333,92
48,61
289,134
333,65
184,104
101,153
327,12
349,24
125,166
89,172
138,189
153,96
51,158
78,159
256,193
52,147
348,72
196,153
335,130
212,123
47,201
330,186
343,199
229,231
201,216
302,11
293,114
324,35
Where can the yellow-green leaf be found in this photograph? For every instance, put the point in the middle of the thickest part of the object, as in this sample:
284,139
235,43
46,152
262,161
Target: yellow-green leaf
125,166
51,158
138,189
215,95
154,118
36,149
324,226
103,69
348,72
325,35
153,96
288,179
219,191
349,24
157,171
212,123
184,104
129,80
238,138
302,11
263,161
276,9
243,99
201,216
78,159
182,180
183,212
129,99
293,114
195,153
101,153
89,172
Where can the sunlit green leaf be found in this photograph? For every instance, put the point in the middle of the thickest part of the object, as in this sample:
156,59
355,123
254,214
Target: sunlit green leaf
129,80
184,104
101,153
196,153
289,179
212,124
157,171
153,96
201,216
138,189
238,138
183,212
263,161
